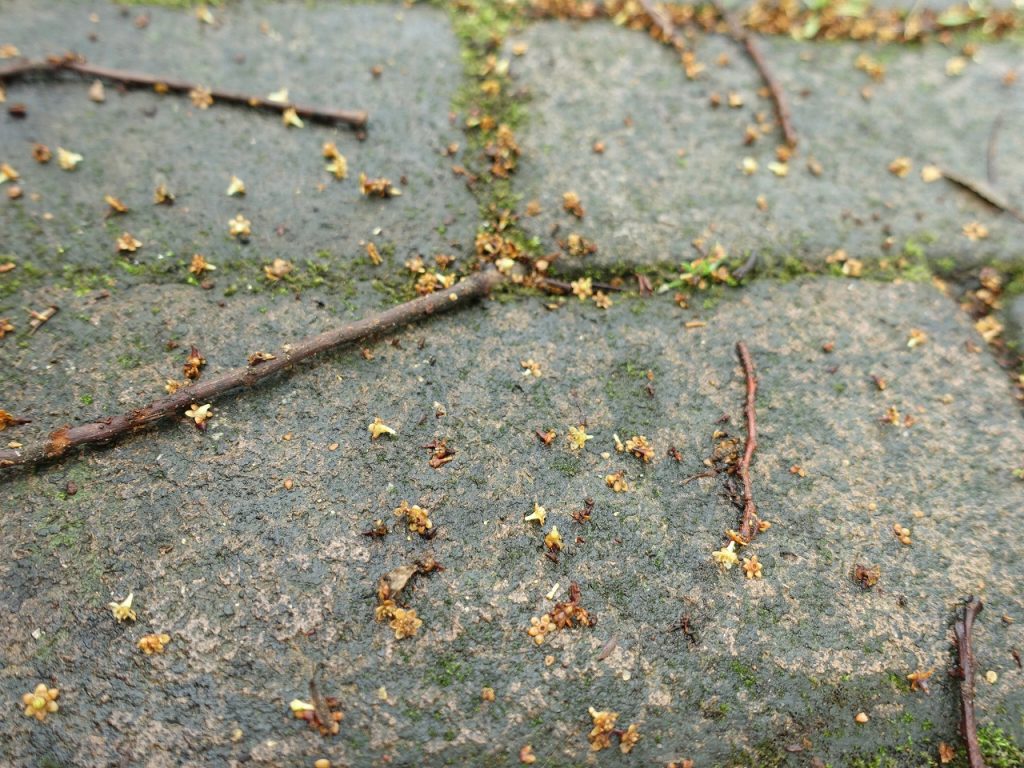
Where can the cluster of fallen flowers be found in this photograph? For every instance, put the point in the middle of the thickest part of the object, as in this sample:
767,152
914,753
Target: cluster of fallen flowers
564,615
403,621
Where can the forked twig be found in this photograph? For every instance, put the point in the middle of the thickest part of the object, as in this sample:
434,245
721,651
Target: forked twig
112,428
966,670
754,52
749,524
55,65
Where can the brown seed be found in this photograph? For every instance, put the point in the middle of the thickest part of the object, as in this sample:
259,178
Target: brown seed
861,717
288,484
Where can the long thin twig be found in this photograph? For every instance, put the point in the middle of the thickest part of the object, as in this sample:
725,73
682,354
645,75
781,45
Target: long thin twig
664,24
563,286
112,428
749,525
754,52
55,65
966,670
983,193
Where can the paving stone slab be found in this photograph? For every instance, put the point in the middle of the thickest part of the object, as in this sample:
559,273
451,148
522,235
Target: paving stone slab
645,202
136,140
257,584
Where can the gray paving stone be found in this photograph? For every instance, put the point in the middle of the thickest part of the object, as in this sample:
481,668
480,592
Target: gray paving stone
257,584
645,203
136,140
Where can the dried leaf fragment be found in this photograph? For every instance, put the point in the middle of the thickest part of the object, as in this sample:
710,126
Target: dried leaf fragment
67,159
380,187
7,173
629,738
900,167
291,118
726,556
201,97
600,736
975,230
127,243
752,568
194,362
116,206
946,753
526,756
41,153
578,437
919,679
199,265
377,428
639,446
553,540
539,514
150,644
617,482
240,227
123,610
571,204
200,414
6,419
405,622
236,187
278,97
277,269
916,338
162,196
417,517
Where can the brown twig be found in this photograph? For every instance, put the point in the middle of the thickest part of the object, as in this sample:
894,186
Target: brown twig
990,150
966,670
664,24
565,287
748,527
754,52
983,193
54,66
112,428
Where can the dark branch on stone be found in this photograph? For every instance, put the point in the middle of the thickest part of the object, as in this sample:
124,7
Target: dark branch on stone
749,524
113,428
771,82
966,670
54,66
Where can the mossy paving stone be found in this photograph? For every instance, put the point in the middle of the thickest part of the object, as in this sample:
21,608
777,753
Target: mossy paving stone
256,584
645,203
299,212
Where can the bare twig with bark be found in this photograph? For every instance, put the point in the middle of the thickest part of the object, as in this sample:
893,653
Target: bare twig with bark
749,524
966,671
753,50
261,367
54,66
563,286
983,193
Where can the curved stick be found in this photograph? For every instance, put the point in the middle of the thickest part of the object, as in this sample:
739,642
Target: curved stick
774,89
748,527
56,64
112,428
968,723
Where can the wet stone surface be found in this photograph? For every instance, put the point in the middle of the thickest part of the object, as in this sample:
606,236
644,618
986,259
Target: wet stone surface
299,212
256,584
670,171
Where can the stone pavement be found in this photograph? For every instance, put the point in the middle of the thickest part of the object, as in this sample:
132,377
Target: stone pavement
244,542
